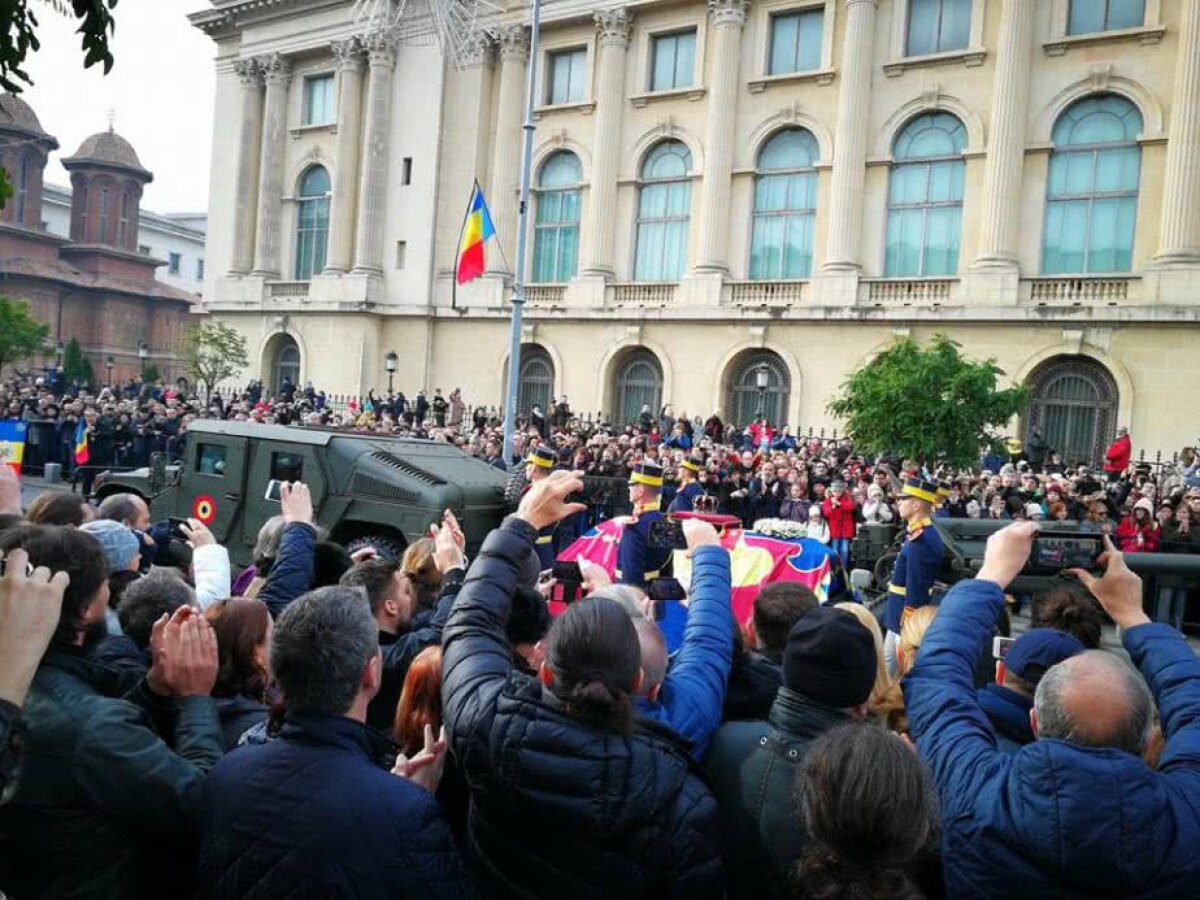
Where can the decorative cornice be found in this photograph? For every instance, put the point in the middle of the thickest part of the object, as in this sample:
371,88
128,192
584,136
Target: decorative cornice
613,26
728,12
276,68
349,54
513,41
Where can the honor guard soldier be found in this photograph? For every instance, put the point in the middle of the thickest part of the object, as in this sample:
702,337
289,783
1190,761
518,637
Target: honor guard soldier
637,562
538,465
917,566
689,488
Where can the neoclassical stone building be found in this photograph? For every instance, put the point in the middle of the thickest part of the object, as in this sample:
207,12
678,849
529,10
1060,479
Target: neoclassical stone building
735,203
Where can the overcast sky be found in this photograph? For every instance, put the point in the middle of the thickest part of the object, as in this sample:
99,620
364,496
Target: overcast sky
160,90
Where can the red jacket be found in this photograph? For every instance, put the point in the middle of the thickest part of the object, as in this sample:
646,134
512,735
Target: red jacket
1117,457
840,517
1127,536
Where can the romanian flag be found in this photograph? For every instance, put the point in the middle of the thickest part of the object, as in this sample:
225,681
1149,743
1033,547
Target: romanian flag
81,444
477,228
12,444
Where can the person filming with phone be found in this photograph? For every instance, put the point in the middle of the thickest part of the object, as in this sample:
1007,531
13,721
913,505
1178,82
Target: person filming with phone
1078,812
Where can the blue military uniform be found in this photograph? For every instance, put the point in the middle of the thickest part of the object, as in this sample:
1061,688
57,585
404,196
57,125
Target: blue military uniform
543,458
637,562
685,497
918,564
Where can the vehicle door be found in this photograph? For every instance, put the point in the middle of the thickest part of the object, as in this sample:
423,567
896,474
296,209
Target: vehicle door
214,482
279,461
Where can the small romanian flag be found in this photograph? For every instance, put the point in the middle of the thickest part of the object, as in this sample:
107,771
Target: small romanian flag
81,444
477,228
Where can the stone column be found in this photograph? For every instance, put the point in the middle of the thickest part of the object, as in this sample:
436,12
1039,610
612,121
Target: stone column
1179,242
349,57
850,139
372,181
506,151
249,148
612,27
1000,210
728,17
277,73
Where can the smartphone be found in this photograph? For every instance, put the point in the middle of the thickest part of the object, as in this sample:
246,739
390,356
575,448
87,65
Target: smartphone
570,580
667,534
660,591
177,526
1000,646
1054,551
272,493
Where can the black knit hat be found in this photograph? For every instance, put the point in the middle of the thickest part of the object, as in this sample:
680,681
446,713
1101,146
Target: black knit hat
830,658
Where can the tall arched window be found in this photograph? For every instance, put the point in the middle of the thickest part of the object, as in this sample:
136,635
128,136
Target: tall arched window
102,226
759,385
785,205
123,220
536,384
312,223
22,189
1092,190
289,365
925,197
1073,399
664,211
556,223
639,383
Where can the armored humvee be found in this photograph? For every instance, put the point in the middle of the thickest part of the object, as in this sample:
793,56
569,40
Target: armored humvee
366,489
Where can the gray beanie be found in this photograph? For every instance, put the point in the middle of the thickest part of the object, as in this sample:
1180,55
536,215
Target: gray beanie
117,541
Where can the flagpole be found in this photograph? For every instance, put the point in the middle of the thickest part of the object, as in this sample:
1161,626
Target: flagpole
518,289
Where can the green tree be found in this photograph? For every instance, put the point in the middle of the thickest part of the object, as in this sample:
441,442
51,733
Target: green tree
215,351
18,38
928,403
76,366
21,336
150,374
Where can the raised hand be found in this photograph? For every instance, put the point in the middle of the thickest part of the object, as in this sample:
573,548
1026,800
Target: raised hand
1007,552
426,766
1119,590
296,502
30,607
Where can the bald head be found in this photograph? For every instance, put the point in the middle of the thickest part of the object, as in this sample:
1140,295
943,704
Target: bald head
1094,699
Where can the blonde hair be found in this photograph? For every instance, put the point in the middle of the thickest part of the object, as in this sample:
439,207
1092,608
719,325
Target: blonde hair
882,682
912,634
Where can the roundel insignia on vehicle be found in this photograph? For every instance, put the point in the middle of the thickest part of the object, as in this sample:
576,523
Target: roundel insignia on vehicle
204,509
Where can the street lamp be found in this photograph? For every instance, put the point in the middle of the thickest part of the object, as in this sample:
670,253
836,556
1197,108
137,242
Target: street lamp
389,363
762,377
109,362
59,349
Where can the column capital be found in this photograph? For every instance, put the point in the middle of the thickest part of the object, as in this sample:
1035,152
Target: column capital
248,72
348,53
477,51
613,26
728,12
275,68
380,47
514,43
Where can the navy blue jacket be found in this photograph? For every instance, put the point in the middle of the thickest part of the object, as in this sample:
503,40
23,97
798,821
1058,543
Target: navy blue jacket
558,808
1008,712
292,572
1055,819
313,814
685,498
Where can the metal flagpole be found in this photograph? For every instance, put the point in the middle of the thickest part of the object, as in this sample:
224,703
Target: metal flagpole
518,288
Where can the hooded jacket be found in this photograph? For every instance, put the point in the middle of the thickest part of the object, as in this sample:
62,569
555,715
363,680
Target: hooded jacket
1056,819
559,808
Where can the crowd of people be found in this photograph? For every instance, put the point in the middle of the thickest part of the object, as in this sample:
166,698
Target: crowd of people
330,724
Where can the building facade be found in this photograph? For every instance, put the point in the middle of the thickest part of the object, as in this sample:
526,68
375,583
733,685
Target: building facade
736,204
177,238
89,282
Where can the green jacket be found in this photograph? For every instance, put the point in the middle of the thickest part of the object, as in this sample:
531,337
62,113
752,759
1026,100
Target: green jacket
102,805
752,767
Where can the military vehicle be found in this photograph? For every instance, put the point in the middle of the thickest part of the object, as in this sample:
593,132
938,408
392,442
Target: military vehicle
367,489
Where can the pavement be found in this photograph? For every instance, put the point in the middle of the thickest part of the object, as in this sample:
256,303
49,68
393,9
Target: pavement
31,487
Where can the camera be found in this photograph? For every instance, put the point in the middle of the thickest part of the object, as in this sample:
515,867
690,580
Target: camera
570,580
1055,551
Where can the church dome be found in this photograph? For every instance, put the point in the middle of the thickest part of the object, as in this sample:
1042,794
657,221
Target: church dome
15,112
106,148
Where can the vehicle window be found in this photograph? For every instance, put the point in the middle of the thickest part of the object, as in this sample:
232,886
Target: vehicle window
287,467
211,459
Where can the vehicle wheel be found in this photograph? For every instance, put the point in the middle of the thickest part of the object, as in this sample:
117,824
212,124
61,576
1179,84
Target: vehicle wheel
883,570
512,491
386,546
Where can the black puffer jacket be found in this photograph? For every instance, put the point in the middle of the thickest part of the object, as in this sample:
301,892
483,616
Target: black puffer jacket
560,809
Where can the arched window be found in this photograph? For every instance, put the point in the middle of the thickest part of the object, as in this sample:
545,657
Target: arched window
639,383
664,211
1073,399
123,221
556,224
925,197
283,361
312,225
536,384
102,233
1092,190
785,205
759,385
22,188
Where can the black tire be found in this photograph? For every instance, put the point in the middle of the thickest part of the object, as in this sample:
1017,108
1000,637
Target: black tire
883,570
388,547
512,491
